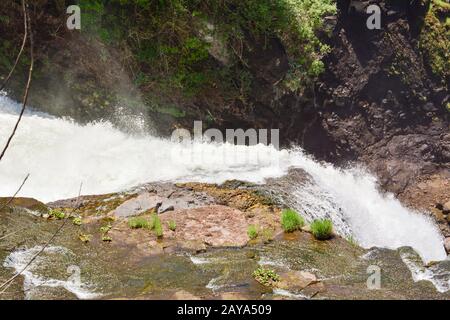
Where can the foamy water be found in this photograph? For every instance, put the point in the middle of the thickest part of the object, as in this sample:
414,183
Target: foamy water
60,154
35,281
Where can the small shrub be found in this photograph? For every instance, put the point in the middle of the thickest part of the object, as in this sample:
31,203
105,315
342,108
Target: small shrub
252,232
76,221
322,229
266,276
291,221
157,226
172,225
57,214
138,223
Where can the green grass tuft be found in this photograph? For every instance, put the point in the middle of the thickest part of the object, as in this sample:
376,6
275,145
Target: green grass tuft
138,223
172,225
252,232
291,221
322,229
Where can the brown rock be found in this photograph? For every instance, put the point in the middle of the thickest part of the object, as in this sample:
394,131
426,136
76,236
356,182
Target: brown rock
216,226
296,280
447,245
184,295
446,207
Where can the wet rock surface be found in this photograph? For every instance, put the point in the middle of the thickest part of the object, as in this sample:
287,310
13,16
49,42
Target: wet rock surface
208,256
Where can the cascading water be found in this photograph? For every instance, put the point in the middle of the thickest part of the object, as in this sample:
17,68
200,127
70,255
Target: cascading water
60,154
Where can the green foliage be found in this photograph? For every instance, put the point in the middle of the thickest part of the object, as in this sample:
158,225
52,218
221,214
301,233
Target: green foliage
322,229
252,232
172,225
157,226
171,40
266,276
291,221
434,40
106,238
77,221
138,223
57,214
105,229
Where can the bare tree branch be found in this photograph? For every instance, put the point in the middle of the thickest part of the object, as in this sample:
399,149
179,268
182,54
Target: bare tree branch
15,194
27,88
25,19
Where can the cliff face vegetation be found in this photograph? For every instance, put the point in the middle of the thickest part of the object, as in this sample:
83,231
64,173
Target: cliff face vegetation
310,68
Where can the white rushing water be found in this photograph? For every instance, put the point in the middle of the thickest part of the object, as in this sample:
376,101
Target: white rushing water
60,154
34,281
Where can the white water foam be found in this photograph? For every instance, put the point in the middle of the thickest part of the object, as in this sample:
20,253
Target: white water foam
33,281
60,154
435,274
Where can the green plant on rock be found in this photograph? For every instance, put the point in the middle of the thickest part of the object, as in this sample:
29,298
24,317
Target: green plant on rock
105,229
322,229
172,225
291,220
252,232
57,214
77,221
106,238
138,223
266,276
157,225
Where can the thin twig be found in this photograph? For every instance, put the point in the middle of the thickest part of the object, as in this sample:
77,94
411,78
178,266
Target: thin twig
4,286
15,194
27,88
5,82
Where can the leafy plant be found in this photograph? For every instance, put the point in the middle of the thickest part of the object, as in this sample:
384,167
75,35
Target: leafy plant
57,214
252,232
106,238
291,221
266,276
105,229
138,223
76,221
157,226
322,229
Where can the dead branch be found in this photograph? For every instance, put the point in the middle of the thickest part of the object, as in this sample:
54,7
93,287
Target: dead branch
25,35
27,88
5,285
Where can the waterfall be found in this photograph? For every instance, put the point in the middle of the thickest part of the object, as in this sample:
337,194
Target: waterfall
59,154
